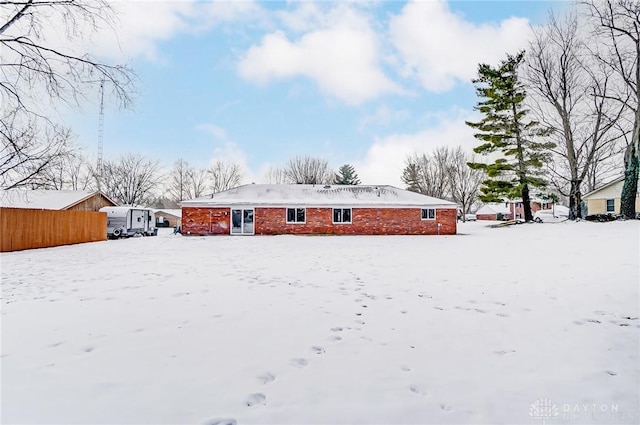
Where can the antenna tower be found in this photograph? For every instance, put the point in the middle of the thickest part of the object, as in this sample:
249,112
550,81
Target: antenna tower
100,129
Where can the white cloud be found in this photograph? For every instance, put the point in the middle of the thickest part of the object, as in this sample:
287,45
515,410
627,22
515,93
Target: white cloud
383,117
340,55
140,25
439,47
227,150
384,161
306,16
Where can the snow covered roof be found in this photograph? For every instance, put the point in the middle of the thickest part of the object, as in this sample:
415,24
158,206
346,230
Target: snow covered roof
494,209
318,195
45,199
611,190
170,211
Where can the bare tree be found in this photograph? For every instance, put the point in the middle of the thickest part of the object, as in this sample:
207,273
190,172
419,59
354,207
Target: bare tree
308,170
428,173
67,172
275,176
179,180
572,95
224,176
198,183
131,179
25,159
37,73
444,174
464,182
31,61
617,26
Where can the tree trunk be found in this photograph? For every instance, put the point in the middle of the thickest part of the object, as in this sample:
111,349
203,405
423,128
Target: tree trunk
526,204
575,199
630,187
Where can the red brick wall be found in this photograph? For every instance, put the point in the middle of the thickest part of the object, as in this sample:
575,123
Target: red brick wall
364,221
205,221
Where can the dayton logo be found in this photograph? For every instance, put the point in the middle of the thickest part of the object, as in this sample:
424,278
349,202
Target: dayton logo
543,409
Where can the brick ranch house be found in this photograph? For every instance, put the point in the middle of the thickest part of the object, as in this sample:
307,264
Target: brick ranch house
270,209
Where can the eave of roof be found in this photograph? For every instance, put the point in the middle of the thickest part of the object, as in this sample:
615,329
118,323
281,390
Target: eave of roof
604,186
364,196
89,196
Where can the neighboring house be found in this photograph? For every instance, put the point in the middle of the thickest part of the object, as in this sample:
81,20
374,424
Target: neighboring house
494,211
510,210
606,199
168,217
269,209
70,200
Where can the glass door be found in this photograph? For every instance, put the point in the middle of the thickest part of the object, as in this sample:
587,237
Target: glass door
242,221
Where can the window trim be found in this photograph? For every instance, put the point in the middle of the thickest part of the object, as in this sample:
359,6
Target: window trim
341,215
427,214
295,209
613,206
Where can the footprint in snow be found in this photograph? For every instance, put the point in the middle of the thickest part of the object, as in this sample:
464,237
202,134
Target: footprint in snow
255,399
503,352
267,377
612,373
299,362
88,349
221,422
502,315
336,329
417,390
405,368
335,338
318,350
446,407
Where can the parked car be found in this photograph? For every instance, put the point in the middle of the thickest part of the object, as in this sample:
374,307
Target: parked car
556,214
470,217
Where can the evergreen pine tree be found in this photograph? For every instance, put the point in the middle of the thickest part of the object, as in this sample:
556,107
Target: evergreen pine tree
506,131
411,177
346,175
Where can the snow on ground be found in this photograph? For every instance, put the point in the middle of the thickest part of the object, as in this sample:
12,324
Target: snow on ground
525,324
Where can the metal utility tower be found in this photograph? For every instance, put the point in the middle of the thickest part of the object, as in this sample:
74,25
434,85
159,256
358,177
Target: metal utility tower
100,129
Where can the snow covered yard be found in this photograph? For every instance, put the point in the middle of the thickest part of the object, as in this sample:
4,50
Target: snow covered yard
476,328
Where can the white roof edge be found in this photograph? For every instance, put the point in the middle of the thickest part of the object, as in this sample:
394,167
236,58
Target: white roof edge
604,186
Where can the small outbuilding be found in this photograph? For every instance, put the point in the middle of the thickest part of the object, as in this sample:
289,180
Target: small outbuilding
62,200
43,218
168,217
270,209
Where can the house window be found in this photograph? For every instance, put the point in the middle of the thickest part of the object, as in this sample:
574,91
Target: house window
428,213
296,215
611,206
342,215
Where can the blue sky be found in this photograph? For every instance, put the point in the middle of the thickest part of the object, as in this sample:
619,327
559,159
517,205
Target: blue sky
257,83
